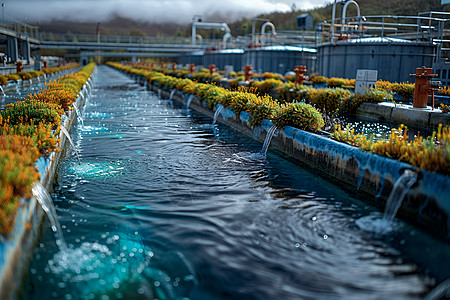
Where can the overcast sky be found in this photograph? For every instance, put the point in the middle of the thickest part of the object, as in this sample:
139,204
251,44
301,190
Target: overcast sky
180,11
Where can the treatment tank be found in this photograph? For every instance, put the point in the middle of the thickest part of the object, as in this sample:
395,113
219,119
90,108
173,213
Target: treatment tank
394,58
227,57
280,59
195,58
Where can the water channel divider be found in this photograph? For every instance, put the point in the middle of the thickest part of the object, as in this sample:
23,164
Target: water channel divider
16,250
427,203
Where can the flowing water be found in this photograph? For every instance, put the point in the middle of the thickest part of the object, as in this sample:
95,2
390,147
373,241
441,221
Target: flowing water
45,200
217,113
67,134
268,139
189,100
79,117
401,187
161,208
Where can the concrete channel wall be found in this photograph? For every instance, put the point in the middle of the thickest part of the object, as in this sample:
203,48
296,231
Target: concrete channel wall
426,204
406,114
17,248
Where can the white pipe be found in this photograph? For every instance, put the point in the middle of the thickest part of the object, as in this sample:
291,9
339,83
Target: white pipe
222,26
333,19
226,37
200,38
344,11
263,28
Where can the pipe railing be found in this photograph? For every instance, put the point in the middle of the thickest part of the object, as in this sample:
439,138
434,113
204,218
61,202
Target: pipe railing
19,28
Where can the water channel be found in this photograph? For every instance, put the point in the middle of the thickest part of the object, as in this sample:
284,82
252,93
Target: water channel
166,205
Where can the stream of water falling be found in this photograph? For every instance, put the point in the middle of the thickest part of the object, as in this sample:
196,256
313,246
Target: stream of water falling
69,138
189,100
216,114
79,117
172,92
45,200
268,139
161,208
401,186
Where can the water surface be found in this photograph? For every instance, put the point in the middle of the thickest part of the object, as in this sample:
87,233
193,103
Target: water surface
165,206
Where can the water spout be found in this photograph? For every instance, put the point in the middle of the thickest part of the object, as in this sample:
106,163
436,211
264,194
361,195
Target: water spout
216,114
159,93
45,200
171,94
268,139
3,91
401,187
189,100
77,111
66,133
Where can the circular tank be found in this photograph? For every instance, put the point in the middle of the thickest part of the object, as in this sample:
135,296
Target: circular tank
195,58
394,59
227,57
280,59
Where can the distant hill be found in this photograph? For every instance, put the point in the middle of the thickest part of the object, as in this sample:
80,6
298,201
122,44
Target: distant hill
115,26
283,21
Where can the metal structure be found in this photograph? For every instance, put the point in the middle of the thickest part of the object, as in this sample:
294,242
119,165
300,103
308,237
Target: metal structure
19,40
300,72
221,26
394,45
222,58
423,88
280,59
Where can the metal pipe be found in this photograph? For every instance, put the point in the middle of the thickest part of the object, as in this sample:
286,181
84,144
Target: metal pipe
222,26
344,11
263,28
333,19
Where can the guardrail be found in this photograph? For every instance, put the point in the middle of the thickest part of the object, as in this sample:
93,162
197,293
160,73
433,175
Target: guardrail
19,29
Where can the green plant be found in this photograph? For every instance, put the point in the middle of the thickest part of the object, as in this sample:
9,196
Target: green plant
328,100
349,105
299,115
264,87
261,108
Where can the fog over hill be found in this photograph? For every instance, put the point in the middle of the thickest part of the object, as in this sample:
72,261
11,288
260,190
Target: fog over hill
237,14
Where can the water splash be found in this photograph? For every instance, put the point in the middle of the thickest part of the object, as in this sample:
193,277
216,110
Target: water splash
189,100
401,187
66,133
77,111
44,199
375,223
268,139
172,92
216,114
3,91
107,267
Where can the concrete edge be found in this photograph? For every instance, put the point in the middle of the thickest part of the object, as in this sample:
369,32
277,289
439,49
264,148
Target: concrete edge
17,248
